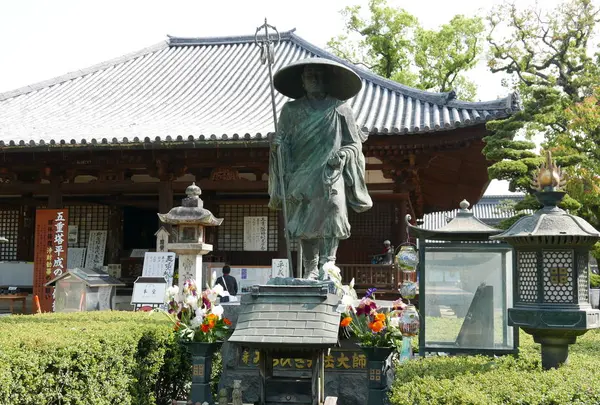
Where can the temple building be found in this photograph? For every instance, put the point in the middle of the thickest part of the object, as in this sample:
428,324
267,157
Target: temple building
120,141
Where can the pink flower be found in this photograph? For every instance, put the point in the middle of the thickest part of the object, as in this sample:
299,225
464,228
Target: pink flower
366,306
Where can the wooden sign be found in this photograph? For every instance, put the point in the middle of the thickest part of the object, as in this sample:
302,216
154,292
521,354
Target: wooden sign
255,233
162,239
50,257
95,249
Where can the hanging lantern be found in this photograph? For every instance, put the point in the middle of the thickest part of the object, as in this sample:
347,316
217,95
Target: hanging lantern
408,289
407,260
409,323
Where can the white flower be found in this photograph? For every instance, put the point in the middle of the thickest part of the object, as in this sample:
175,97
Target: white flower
200,313
192,302
215,292
196,322
218,310
172,291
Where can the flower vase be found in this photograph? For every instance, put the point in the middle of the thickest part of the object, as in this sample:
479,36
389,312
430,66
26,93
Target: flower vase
380,373
202,358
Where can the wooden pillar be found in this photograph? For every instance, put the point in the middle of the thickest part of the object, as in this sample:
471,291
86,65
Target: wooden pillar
402,231
165,199
115,234
25,245
55,197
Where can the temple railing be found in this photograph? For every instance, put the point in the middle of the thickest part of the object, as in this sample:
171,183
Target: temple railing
384,277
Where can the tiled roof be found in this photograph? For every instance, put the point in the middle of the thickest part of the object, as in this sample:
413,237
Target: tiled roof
489,210
208,89
279,317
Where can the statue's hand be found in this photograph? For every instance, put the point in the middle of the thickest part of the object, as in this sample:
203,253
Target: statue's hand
335,161
276,142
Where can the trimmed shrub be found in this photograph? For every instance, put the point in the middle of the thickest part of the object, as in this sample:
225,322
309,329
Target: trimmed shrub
519,379
91,358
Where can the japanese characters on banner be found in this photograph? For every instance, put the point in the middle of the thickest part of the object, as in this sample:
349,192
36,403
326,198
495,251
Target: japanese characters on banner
159,264
336,360
255,233
50,257
95,249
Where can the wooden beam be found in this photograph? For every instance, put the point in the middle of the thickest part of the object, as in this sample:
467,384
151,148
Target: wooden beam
126,187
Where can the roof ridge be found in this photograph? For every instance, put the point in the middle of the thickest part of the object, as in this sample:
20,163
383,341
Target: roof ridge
223,40
82,72
510,101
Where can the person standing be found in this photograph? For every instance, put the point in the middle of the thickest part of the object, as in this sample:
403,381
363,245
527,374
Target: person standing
229,283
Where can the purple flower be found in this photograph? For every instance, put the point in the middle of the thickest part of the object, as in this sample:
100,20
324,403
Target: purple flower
370,292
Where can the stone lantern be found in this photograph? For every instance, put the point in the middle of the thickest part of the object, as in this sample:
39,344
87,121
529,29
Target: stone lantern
551,271
188,222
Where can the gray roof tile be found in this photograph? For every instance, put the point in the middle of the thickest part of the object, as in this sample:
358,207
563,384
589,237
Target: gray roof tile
268,322
207,90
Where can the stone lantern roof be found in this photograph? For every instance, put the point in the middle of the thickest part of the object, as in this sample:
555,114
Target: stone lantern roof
550,224
191,211
465,226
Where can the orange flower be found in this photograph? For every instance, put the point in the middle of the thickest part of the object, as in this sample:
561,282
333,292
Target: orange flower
211,324
379,317
212,317
376,326
346,321
226,321
176,327
204,328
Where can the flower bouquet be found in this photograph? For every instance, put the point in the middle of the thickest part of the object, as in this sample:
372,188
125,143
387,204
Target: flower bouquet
195,315
364,318
373,326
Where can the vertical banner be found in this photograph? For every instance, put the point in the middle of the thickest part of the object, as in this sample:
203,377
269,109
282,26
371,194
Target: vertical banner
255,233
50,257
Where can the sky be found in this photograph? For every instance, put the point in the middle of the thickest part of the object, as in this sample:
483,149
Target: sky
42,39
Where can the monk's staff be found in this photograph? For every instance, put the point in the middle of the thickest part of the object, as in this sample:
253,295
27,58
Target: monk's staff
267,56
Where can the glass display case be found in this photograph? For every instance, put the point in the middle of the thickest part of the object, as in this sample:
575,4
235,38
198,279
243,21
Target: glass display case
465,288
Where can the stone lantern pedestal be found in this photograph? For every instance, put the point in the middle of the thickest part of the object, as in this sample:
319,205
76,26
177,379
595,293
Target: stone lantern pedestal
188,222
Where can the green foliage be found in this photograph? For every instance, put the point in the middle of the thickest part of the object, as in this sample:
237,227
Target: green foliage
97,358
550,62
392,43
519,379
594,280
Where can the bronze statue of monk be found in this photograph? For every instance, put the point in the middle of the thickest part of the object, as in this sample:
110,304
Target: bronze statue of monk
323,163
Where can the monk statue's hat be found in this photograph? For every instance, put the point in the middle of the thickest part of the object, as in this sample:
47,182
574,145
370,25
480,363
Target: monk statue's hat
341,81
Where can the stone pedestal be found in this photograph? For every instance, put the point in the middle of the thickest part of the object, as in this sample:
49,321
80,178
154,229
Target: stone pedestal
190,261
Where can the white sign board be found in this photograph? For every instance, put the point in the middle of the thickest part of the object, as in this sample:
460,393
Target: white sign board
159,264
256,233
148,292
75,257
95,249
280,268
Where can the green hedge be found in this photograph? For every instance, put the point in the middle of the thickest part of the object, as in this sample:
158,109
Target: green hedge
479,380
103,358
